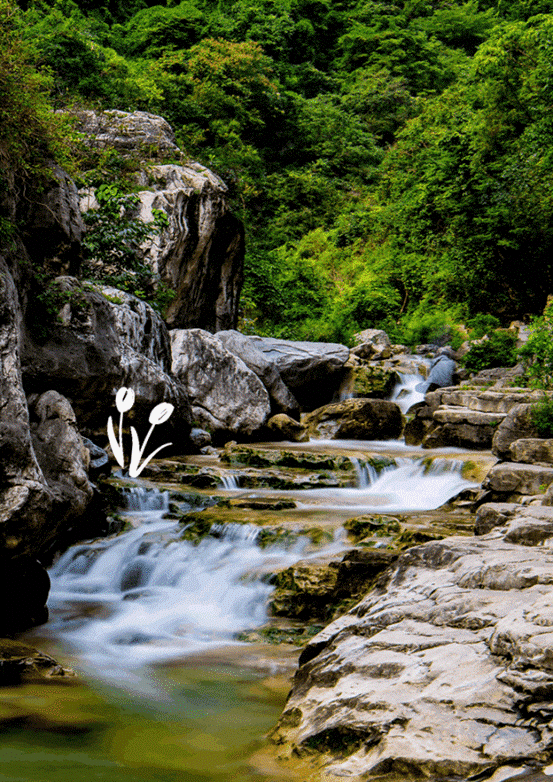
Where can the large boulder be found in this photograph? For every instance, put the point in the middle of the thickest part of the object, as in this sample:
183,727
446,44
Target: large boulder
445,669
359,419
200,253
227,398
313,371
105,339
282,400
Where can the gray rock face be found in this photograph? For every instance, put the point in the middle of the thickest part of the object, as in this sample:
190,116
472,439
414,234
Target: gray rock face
363,419
25,497
200,253
107,339
54,227
517,425
282,400
138,131
435,672
312,371
226,397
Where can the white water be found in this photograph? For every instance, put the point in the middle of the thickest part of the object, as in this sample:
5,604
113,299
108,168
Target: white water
405,394
151,596
147,596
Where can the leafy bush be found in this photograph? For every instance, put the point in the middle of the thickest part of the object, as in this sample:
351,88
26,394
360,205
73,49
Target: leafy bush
113,244
541,415
497,351
537,353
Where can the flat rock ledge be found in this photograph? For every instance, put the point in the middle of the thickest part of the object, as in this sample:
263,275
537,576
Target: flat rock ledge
446,670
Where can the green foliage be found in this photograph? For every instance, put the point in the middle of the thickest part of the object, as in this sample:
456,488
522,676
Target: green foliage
537,353
541,415
499,350
482,324
113,244
29,133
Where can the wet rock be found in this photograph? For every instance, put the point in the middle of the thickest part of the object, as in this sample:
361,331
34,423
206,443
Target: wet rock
99,463
365,419
226,397
257,457
21,662
313,371
283,427
367,380
305,591
434,671
24,587
199,437
282,400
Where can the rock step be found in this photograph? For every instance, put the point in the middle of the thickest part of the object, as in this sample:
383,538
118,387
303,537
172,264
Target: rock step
488,401
519,478
447,414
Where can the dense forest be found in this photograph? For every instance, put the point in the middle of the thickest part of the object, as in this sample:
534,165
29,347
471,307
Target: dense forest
392,161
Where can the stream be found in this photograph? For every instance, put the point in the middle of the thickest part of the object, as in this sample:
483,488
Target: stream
151,622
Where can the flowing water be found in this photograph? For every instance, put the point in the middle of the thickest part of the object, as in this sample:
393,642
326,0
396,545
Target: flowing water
151,620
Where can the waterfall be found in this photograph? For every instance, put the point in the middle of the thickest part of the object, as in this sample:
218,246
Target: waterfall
148,595
143,500
365,473
229,481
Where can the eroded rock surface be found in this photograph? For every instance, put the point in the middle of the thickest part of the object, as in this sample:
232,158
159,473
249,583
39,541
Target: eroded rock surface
226,397
448,670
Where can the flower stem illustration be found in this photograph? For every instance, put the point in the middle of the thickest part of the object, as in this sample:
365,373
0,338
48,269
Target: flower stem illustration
124,400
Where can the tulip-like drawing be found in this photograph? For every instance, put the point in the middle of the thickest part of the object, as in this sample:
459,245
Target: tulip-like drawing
124,400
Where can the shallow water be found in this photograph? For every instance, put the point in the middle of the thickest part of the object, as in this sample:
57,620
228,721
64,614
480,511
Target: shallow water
141,617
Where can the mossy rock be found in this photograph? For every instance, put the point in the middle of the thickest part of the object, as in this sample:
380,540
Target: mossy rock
371,381
378,526
237,455
297,636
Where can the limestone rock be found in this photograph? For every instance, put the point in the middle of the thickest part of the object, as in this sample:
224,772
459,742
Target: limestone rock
282,400
367,380
532,451
364,419
313,371
372,344
61,452
517,425
138,132
514,478
200,253
434,671
107,339
226,397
